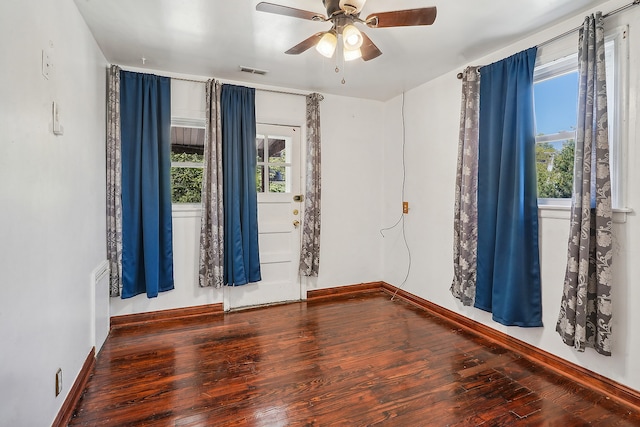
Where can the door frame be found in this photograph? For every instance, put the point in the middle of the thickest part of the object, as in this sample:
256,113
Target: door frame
300,282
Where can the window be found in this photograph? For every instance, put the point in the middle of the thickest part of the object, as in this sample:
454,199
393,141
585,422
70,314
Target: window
273,171
555,98
187,161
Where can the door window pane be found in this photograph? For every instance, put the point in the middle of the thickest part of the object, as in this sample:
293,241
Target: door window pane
260,148
277,150
260,179
278,179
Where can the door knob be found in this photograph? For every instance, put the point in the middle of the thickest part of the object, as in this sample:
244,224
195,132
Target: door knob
296,223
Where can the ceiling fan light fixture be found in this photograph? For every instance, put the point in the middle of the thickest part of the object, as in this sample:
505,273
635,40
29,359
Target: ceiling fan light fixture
327,44
351,54
352,37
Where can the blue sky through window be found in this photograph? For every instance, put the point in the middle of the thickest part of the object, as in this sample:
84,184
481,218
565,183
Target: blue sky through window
556,102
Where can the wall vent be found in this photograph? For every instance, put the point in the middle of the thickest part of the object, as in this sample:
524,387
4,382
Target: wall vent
253,70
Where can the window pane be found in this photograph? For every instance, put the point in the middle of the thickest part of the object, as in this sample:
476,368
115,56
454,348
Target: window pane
554,166
260,148
186,185
187,140
278,179
187,148
277,150
260,179
556,103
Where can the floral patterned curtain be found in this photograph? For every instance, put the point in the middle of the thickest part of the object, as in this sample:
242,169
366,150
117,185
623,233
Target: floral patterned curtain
212,226
585,312
114,182
465,223
310,252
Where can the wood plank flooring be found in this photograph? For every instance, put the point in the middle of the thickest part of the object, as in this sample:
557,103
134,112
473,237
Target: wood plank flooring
353,361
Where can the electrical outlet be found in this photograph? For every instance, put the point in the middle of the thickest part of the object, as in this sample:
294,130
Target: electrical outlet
405,207
58,381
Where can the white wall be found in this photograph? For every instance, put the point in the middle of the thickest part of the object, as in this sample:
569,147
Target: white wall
352,176
432,119
52,209
352,166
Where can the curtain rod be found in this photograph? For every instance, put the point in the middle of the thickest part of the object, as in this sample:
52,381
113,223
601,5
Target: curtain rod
262,90
258,89
187,80
573,30
286,93
173,78
606,15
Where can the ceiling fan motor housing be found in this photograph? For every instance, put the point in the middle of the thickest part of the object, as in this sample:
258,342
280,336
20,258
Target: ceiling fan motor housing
332,6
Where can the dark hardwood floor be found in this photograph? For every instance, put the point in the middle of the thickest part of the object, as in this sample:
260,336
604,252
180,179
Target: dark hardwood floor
353,361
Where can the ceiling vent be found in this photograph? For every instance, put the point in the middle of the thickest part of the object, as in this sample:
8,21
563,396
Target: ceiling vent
253,70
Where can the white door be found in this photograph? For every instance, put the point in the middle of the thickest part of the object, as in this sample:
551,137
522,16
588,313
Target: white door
278,178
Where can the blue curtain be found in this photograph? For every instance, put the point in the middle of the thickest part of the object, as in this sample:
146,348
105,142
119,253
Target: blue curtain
508,276
241,256
147,253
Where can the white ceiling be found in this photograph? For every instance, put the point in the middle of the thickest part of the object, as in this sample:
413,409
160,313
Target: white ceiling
215,37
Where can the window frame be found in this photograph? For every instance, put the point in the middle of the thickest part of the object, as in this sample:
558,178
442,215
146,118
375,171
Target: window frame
547,71
287,133
199,123
559,58
618,132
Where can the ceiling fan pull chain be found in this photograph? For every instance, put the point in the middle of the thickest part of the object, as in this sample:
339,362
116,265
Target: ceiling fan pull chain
343,67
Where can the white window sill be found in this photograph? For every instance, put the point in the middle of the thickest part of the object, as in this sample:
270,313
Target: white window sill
564,212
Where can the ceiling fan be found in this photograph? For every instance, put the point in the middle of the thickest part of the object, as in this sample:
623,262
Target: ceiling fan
343,14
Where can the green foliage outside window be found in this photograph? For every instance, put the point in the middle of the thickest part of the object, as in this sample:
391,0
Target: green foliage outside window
555,170
277,179
259,172
186,182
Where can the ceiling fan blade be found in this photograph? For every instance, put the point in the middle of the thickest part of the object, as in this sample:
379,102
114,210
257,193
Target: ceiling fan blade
368,49
305,44
402,18
289,11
